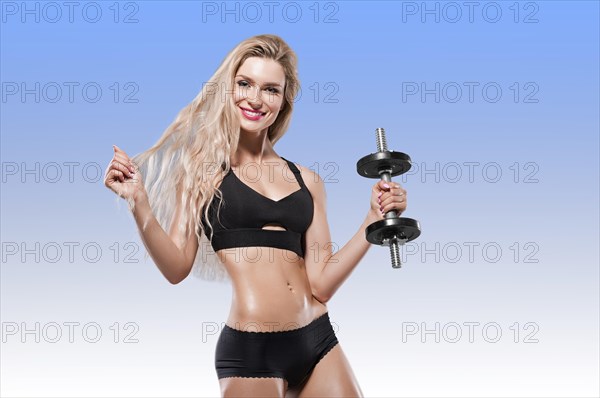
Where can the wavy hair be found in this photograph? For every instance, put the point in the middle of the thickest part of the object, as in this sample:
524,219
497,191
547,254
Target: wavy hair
194,152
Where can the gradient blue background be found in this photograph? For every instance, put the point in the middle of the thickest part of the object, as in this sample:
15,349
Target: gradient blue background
374,49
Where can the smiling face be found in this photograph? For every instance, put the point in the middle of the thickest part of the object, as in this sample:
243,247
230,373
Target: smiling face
259,93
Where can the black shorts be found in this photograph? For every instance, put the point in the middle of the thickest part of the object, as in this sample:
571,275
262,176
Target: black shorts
290,354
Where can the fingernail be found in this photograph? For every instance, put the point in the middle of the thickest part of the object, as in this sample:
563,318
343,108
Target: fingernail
386,185
379,194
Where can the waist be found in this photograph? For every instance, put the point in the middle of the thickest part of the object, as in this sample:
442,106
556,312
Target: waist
271,294
280,316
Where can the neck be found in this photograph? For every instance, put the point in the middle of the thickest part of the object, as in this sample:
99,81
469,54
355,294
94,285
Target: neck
253,147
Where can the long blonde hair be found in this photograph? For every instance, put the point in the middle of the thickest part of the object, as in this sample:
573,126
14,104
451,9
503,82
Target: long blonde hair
199,144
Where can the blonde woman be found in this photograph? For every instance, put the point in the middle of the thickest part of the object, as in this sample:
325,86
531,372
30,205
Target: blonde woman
212,196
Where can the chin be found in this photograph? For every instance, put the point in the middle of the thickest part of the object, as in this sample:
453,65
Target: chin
252,127
252,131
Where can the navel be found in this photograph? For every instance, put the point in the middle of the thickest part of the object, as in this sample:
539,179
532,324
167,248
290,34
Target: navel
290,287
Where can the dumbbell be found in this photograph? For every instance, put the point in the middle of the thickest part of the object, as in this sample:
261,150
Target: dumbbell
392,231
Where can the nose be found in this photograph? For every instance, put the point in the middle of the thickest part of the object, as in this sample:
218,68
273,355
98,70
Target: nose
253,96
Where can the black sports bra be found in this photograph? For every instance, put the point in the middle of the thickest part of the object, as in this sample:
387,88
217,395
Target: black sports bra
245,211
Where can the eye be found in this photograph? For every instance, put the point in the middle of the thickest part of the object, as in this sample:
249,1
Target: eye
273,90
242,83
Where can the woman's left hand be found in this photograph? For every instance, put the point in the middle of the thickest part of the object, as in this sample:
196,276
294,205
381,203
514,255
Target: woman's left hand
392,197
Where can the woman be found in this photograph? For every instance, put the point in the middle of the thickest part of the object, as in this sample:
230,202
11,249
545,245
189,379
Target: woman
267,225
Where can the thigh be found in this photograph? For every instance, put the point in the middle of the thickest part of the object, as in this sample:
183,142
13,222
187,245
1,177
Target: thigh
332,377
252,387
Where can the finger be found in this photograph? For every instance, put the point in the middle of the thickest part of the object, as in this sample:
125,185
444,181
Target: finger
387,185
125,161
400,205
116,175
120,151
396,198
123,168
381,184
399,192
392,193
118,165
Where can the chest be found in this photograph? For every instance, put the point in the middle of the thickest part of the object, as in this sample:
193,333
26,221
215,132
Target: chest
244,207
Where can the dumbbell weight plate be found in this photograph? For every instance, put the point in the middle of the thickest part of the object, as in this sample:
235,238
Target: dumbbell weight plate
404,228
370,165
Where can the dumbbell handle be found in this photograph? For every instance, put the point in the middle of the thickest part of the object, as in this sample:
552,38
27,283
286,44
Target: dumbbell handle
387,177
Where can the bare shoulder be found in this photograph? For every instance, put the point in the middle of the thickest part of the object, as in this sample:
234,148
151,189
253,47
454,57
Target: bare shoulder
313,181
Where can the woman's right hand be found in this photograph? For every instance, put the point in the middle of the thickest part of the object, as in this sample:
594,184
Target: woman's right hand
123,177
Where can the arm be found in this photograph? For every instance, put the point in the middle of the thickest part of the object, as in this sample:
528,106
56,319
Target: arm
327,271
174,253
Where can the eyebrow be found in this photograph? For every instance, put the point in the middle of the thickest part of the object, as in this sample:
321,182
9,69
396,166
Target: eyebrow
267,83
